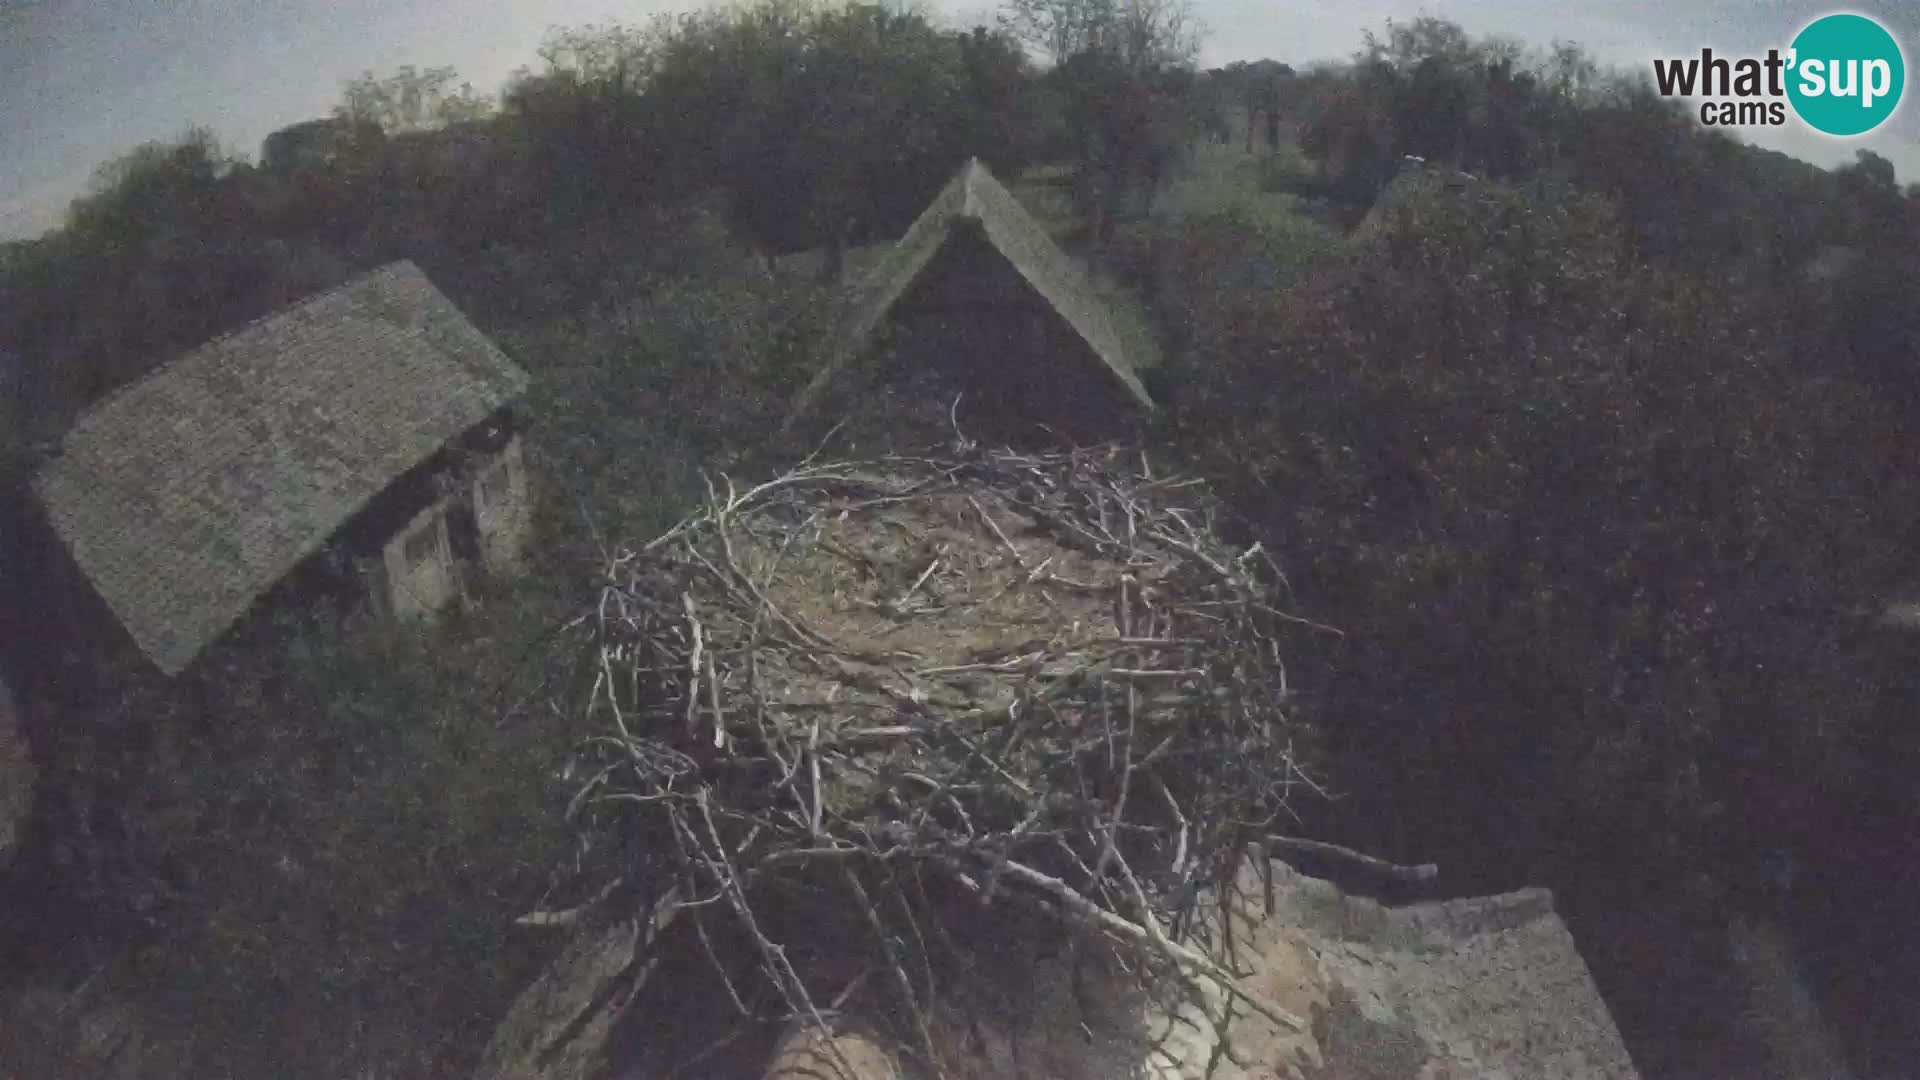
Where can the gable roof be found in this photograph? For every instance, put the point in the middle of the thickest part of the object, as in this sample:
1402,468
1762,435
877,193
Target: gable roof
1490,986
187,494
1415,183
974,197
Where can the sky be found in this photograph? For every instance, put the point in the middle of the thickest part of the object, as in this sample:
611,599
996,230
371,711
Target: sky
82,81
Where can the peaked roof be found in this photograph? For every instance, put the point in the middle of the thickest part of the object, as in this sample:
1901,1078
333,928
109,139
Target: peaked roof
1416,179
187,494
1491,986
974,197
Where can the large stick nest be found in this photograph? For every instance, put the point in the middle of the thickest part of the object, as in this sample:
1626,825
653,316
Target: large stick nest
1037,682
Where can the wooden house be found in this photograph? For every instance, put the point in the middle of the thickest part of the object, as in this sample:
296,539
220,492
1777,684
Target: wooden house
367,436
978,294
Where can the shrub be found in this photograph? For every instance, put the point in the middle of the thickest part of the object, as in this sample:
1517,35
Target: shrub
1586,525
305,853
634,398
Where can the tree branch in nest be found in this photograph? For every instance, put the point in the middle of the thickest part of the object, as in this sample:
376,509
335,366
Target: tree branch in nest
1368,864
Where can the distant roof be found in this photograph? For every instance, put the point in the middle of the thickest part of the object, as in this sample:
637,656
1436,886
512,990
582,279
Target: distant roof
860,262
975,197
1492,987
186,495
1831,261
1414,180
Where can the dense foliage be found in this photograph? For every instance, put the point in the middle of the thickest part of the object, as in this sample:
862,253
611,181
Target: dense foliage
1589,454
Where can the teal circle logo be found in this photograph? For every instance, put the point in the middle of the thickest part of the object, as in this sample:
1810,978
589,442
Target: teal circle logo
1846,74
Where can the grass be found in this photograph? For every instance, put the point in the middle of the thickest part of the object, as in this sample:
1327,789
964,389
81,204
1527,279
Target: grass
1047,193
1222,176
1215,179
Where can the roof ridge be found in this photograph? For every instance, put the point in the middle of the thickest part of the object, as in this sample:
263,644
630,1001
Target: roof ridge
975,195
970,173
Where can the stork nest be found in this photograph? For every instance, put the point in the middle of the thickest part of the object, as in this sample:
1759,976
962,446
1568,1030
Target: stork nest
1040,681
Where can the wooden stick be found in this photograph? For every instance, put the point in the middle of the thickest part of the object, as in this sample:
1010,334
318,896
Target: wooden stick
693,663
1370,864
1121,927
570,915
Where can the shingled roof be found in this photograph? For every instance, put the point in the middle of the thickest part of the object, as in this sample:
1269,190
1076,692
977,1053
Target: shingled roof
1488,987
186,495
974,198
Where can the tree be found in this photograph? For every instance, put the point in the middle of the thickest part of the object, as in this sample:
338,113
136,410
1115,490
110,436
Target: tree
1569,75
823,125
1149,34
879,97
464,106
719,105
1407,45
1005,116
1433,104
610,119
170,255
411,99
1141,33
1874,171
626,56
1254,88
1500,145
1059,28
326,143
1125,70
144,176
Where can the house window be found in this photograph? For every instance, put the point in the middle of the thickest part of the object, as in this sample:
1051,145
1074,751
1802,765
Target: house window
493,488
424,545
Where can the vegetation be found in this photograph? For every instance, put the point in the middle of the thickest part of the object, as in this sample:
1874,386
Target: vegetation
1592,454
1581,436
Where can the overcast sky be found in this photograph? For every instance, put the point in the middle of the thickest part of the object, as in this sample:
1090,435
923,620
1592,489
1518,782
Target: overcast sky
83,80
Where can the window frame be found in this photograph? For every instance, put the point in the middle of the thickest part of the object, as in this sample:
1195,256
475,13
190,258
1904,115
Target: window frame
493,487
413,554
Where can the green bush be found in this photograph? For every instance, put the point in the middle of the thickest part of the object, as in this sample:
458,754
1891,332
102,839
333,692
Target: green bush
1588,528
322,845
636,398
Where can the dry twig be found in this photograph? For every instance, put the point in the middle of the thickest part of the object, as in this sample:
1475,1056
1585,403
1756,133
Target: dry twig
927,684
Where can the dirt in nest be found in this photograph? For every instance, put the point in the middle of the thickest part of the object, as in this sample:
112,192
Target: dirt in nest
928,579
